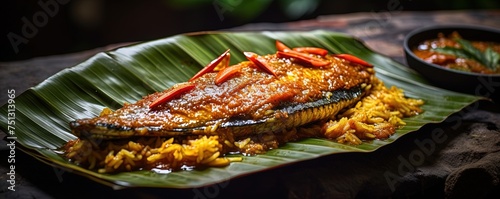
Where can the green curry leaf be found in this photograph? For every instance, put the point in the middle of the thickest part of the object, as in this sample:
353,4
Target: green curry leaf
491,58
458,52
488,58
471,50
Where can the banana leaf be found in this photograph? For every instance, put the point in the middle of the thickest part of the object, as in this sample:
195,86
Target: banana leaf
110,79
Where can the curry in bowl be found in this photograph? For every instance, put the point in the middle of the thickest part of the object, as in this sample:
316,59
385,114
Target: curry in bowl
454,52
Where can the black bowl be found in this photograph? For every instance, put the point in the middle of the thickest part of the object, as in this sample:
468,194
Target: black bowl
487,85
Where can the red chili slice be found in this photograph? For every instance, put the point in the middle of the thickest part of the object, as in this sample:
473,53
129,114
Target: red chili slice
353,59
210,67
259,62
303,58
312,50
226,73
172,94
281,46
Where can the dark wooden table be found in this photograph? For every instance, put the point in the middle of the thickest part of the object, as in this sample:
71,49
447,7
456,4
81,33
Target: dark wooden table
465,165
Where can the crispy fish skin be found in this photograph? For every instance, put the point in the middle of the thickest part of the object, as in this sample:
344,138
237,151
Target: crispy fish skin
251,102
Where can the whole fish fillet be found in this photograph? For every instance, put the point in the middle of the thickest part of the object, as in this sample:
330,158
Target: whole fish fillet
251,101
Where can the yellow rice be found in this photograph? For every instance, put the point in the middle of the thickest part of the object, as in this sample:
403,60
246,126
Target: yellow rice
377,115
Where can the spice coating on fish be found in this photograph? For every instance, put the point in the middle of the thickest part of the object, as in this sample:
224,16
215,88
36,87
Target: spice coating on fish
248,101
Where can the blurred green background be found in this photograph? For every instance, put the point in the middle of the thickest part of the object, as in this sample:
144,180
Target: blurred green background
46,27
